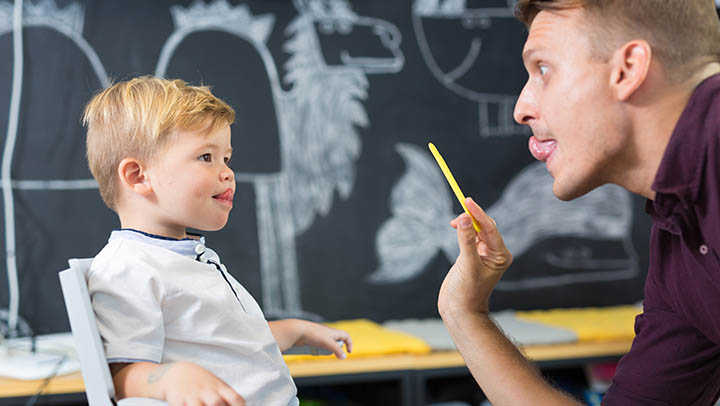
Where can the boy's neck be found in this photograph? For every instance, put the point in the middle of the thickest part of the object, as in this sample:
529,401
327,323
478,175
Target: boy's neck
143,225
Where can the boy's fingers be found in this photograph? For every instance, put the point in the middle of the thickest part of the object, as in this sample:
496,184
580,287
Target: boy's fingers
231,397
213,400
348,344
210,397
343,336
337,350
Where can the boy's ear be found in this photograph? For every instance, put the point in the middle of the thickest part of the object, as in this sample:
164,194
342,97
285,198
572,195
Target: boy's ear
133,176
630,67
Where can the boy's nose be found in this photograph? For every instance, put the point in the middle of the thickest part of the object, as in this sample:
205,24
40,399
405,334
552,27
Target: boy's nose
227,174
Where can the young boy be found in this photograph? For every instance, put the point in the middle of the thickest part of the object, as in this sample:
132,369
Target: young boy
175,324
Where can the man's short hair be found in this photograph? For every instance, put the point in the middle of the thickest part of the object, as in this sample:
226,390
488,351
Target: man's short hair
684,34
135,117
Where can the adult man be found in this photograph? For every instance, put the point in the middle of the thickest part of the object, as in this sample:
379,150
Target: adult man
623,92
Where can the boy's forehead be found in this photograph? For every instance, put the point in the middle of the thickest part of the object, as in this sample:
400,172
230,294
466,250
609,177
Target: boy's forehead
204,130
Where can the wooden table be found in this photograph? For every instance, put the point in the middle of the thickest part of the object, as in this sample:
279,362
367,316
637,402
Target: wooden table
410,369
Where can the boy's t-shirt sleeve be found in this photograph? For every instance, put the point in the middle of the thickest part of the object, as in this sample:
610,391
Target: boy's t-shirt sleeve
127,296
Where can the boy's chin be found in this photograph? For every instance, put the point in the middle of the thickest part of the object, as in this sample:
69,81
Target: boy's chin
214,227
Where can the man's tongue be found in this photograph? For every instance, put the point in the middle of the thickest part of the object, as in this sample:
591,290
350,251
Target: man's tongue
541,150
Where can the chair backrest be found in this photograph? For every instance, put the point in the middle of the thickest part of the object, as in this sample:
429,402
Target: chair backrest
95,371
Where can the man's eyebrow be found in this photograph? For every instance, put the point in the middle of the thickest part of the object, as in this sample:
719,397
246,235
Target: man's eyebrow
528,53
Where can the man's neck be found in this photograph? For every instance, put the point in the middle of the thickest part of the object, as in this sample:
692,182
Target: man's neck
656,119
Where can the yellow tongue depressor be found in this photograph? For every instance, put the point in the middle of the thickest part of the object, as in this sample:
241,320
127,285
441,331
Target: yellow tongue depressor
453,184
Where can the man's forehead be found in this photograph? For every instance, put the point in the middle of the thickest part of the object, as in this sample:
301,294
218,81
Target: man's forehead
549,29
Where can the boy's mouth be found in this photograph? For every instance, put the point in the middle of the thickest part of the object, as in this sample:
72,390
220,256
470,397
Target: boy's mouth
226,196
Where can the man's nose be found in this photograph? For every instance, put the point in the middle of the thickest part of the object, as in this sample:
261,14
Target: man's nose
526,107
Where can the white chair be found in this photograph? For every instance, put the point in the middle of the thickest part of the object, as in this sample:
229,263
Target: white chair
95,371
93,364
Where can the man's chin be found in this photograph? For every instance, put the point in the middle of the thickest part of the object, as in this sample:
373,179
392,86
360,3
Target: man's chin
567,192
570,192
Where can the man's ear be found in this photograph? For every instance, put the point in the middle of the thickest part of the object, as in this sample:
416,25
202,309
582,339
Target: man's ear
630,67
134,177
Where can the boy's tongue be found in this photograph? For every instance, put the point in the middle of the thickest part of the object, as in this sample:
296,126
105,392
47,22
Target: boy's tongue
541,150
226,195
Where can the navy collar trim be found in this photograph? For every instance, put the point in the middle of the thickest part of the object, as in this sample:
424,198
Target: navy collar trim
189,247
162,237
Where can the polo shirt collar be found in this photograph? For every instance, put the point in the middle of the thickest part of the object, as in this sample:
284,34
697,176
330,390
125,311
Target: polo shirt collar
190,246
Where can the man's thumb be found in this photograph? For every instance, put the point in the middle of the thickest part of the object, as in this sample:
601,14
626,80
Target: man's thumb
466,234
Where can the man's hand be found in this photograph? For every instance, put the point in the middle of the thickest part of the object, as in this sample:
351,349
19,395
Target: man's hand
499,368
178,383
482,261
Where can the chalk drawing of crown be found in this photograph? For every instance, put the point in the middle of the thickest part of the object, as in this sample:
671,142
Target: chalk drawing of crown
326,8
220,14
69,20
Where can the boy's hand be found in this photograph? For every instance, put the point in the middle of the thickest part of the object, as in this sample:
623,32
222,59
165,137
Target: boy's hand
178,383
190,384
328,338
294,333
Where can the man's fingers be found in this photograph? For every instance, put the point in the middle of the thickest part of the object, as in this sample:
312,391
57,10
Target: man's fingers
466,235
488,227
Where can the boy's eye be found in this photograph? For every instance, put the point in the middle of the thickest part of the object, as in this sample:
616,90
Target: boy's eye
205,157
543,69
227,160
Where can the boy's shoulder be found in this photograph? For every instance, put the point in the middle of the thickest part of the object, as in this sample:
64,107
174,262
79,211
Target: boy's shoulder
120,249
124,255
127,255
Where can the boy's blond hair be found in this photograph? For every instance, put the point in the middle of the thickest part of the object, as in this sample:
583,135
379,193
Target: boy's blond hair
135,117
684,34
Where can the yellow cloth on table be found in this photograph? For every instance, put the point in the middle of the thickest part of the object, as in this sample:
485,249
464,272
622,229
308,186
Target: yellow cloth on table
371,339
591,323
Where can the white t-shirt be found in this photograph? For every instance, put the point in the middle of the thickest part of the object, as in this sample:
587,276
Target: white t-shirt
164,300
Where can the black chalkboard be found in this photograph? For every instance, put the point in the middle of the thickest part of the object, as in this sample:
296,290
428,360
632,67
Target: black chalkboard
340,210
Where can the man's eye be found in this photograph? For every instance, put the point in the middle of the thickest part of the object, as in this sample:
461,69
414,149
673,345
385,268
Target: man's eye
543,69
205,157
227,160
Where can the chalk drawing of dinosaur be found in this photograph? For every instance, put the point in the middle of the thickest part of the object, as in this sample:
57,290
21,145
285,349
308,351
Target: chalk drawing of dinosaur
317,120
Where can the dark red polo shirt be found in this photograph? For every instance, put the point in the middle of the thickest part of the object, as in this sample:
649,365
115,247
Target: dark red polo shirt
675,357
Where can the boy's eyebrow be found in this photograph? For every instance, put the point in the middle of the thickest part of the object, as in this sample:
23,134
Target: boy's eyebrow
214,146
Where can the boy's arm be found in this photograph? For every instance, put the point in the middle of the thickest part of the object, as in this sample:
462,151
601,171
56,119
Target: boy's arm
177,383
294,332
